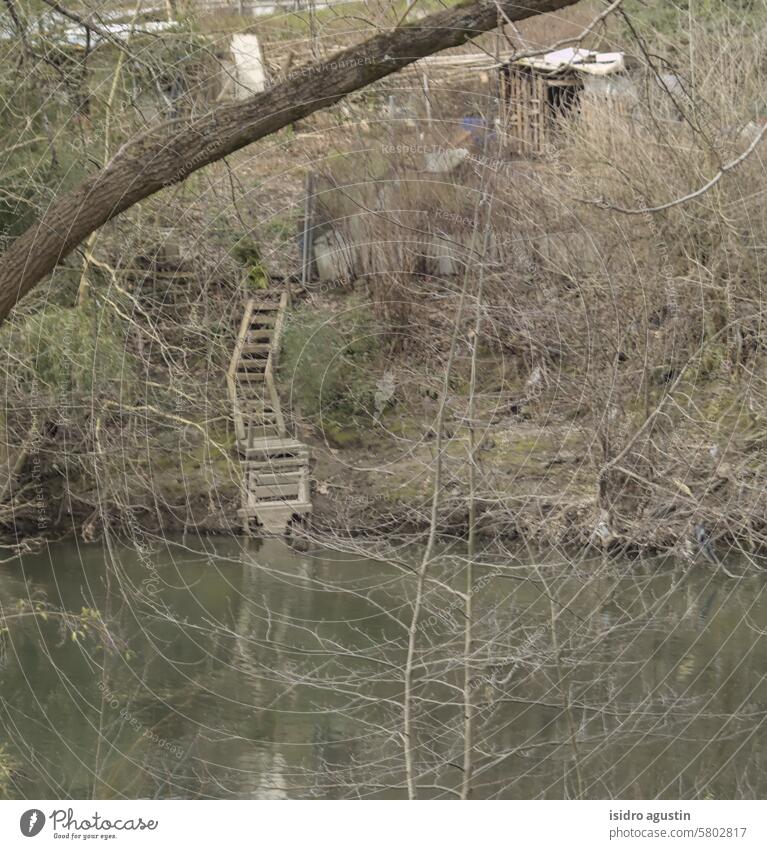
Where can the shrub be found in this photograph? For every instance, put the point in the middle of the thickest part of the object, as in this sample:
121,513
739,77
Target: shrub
74,350
327,360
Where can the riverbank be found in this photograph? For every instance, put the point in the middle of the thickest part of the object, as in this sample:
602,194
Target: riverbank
536,482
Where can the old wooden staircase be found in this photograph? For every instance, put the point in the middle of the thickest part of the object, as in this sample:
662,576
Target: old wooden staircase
275,466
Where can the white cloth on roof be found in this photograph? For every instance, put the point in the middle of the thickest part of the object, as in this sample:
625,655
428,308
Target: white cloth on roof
578,59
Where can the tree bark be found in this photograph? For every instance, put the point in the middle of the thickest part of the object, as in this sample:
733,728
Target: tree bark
167,154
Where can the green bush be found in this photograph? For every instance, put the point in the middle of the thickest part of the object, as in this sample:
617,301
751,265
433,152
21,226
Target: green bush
74,350
246,252
327,367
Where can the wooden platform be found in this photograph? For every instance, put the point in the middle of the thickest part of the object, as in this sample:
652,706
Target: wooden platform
275,466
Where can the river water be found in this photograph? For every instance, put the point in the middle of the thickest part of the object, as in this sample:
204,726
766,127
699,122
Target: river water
218,670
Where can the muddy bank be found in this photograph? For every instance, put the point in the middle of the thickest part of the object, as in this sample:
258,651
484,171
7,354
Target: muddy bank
539,497
537,485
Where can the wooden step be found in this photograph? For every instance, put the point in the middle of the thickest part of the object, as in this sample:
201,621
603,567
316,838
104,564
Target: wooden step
270,478
274,490
285,463
258,510
295,506
273,464
279,446
274,518
247,363
275,455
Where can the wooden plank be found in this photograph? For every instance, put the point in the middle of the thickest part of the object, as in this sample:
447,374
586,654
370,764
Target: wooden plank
280,447
274,457
264,508
295,462
274,491
270,461
290,464
272,478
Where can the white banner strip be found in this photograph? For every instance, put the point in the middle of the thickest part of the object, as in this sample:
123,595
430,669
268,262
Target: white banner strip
384,825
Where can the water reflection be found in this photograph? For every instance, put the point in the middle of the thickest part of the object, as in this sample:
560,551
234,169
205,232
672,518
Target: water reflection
264,673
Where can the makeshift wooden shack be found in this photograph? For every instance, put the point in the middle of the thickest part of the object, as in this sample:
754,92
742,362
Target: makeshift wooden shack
536,93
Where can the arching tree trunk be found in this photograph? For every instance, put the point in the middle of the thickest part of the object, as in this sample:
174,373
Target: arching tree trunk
169,153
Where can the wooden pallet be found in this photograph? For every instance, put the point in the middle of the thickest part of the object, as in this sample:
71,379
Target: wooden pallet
275,466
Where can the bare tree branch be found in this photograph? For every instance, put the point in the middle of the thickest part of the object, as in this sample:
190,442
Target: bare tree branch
169,153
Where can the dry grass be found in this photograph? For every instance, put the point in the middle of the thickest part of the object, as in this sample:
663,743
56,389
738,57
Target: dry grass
646,330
